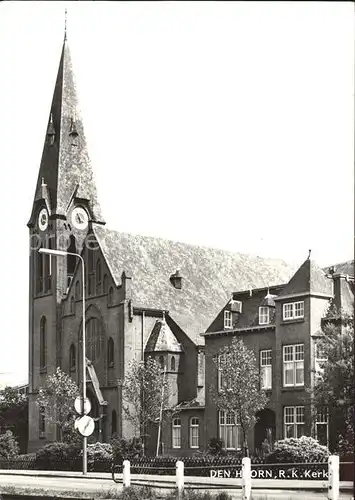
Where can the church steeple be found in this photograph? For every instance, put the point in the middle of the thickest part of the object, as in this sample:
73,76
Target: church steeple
65,165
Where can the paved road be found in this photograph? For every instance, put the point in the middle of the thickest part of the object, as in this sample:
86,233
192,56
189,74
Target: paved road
95,484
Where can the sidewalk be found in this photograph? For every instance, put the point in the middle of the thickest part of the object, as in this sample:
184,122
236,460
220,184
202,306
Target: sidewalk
197,482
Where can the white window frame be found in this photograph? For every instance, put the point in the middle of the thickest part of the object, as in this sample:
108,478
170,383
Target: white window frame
176,433
266,368
293,310
194,432
264,315
322,418
293,356
228,324
292,417
229,432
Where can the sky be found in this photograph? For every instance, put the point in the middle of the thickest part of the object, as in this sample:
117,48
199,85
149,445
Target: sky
223,124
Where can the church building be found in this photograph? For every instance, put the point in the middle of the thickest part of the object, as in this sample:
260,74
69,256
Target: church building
144,295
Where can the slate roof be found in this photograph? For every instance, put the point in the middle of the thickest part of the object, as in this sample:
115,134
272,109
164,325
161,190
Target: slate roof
308,278
162,339
66,170
209,275
346,268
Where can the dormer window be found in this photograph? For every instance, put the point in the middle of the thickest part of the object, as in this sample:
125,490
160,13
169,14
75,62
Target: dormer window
228,320
264,315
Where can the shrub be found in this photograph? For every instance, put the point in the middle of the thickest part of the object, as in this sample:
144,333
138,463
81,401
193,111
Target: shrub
58,456
9,448
304,449
215,446
100,457
123,449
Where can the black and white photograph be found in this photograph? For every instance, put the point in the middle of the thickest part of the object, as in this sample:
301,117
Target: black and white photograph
177,250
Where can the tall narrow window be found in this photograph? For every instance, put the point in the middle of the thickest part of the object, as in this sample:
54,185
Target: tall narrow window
322,426
43,343
223,381
161,362
110,297
91,271
72,358
293,421
264,316
72,305
113,422
172,364
71,259
110,352
293,365
227,319
176,433
320,360
105,284
194,432
98,277
265,369
42,423
93,339
77,290
48,269
230,432
39,272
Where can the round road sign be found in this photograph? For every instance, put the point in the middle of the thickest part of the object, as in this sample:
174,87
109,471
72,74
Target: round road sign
78,405
86,426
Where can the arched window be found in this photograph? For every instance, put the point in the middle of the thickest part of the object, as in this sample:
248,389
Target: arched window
105,284
161,362
110,297
72,358
39,272
113,422
91,272
43,343
77,290
71,259
110,352
98,276
172,364
93,339
194,432
72,305
176,433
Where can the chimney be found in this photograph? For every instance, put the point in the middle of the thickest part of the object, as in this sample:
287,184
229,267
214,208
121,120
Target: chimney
176,280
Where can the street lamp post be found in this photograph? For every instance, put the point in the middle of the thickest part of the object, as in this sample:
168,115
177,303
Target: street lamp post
62,253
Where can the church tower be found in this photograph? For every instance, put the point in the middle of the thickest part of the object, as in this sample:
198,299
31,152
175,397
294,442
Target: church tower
65,207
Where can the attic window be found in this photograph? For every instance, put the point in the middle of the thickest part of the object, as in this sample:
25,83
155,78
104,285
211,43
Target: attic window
176,280
228,319
264,315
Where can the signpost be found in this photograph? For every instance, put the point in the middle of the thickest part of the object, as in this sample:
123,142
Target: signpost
82,407
84,423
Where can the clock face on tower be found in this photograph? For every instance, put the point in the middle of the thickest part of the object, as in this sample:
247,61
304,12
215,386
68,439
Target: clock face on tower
43,219
80,218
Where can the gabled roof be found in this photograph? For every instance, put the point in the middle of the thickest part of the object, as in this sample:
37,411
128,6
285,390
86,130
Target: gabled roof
308,278
66,170
162,339
208,275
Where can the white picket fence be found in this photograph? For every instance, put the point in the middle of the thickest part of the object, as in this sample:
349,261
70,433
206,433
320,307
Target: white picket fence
333,477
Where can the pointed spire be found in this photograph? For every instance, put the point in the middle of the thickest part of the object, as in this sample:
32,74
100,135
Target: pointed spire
62,165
